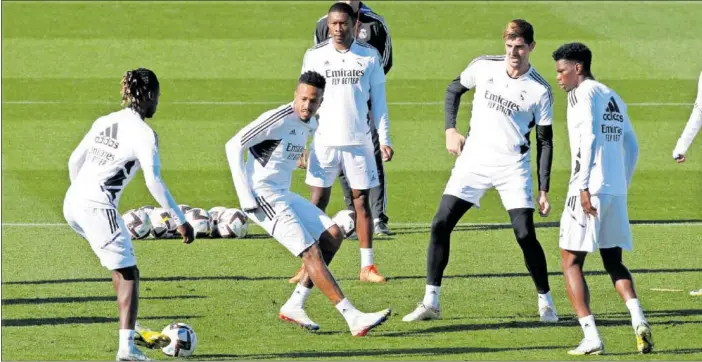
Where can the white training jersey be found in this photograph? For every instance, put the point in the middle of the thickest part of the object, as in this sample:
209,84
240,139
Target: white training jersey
353,78
109,156
273,142
504,111
694,123
598,124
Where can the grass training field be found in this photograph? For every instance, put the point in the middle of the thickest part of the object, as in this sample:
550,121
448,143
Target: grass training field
220,65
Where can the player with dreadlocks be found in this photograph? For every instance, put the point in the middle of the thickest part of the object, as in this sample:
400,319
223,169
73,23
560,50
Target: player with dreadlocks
102,165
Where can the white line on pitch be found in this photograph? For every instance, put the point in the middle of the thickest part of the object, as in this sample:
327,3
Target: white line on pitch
666,290
248,103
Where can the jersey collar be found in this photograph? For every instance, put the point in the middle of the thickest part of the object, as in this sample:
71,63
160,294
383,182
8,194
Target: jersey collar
523,76
331,44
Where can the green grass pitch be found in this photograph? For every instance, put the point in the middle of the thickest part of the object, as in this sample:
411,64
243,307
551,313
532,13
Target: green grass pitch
223,63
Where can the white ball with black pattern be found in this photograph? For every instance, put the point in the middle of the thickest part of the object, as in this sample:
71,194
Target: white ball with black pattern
346,219
215,213
183,340
233,223
199,219
163,224
138,223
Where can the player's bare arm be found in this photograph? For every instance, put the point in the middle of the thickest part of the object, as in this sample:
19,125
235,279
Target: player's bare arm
586,203
302,161
187,231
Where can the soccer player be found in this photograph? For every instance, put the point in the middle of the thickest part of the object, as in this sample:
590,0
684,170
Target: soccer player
510,99
342,143
693,126
274,143
102,165
604,151
371,29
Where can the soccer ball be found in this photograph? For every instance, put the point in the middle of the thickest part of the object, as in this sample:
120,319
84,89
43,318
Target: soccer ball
346,219
184,208
183,340
138,223
199,219
163,224
233,223
215,212
147,209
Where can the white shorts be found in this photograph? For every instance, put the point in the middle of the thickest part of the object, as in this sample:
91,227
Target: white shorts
583,232
357,162
469,182
291,220
105,231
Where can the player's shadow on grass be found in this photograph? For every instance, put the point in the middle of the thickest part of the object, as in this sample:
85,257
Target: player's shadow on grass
268,278
657,351
148,279
16,301
31,322
423,229
565,322
439,351
553,273
658,313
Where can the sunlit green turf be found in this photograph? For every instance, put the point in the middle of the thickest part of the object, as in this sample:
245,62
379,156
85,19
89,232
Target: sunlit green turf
220,65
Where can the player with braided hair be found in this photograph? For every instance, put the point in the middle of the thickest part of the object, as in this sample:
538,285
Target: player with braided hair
102,165
141,91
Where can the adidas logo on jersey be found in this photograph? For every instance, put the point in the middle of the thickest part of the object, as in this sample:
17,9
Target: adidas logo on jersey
612,112
108,137
292,132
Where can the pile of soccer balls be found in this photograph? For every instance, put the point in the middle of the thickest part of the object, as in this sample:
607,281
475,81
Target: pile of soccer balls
218,222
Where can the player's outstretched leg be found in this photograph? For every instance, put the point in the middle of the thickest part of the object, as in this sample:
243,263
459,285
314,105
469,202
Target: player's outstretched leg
579,295
364,230
319,197
535,260
294,309
126,284
624,284
359,323
450,211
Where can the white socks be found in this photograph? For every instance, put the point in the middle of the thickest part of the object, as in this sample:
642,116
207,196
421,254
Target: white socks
637,316
366,257
589,328
545,300
299,296
126,339
347,310
431,296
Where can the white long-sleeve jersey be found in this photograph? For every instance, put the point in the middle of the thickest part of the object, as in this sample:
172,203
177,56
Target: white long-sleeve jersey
353,77
603,145
109,156
274,142
693,124
504,111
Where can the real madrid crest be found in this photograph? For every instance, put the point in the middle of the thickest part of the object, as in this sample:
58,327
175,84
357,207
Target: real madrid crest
363,34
